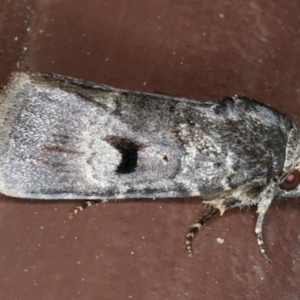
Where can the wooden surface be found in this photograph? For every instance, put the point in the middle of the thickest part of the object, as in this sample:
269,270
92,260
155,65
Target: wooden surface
135,249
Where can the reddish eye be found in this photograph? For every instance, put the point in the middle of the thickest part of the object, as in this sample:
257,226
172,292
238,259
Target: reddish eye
291,181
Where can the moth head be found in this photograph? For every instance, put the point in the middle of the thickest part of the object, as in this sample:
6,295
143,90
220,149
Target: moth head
289,184
289,181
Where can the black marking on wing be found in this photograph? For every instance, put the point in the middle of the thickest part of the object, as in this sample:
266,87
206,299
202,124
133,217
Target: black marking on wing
232,202
129,150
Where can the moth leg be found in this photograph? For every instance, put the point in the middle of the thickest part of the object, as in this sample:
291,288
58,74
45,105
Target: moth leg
196,227
262,208
259,236
83,206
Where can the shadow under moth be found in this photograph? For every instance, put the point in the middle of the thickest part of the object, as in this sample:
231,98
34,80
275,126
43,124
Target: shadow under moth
64,138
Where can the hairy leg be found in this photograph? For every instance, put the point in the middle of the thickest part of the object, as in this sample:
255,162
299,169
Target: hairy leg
84,205
259,236
196,227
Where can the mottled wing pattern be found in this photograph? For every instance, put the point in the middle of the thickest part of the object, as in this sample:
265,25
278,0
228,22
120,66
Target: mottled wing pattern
73,139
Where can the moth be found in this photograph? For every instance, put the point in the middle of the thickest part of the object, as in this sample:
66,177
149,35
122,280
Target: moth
64,138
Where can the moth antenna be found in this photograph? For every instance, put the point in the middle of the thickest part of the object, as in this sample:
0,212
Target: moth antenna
196,227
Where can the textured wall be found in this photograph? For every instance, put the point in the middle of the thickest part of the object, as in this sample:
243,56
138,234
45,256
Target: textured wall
135,249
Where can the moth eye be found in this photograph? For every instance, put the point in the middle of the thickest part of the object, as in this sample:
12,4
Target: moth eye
291,181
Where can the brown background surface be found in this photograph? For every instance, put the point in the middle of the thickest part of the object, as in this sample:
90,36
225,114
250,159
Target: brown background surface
135,249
